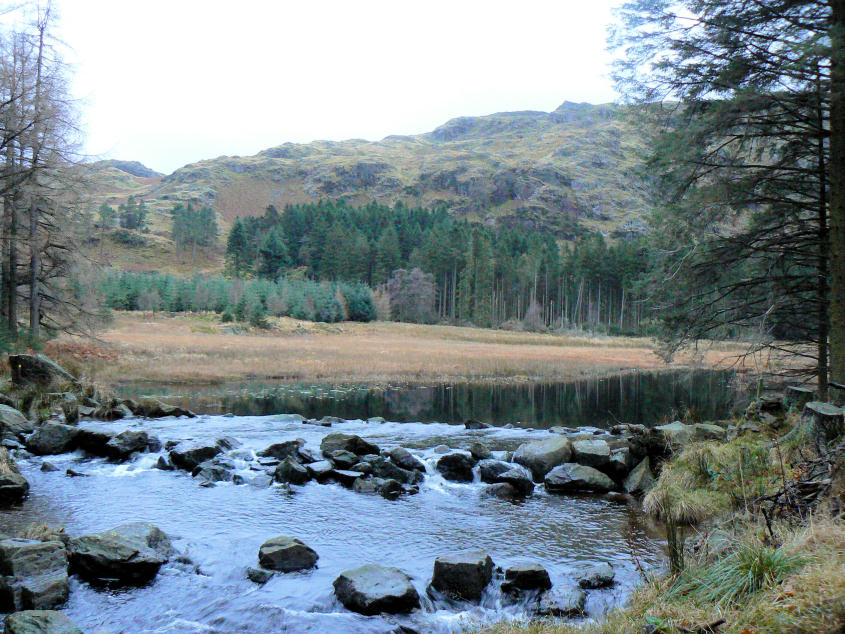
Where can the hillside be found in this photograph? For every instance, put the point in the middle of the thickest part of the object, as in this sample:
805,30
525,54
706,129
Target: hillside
561,172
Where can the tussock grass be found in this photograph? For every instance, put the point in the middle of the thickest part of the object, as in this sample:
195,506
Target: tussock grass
140,347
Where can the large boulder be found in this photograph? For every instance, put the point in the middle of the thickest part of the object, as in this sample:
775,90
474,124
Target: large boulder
188,456
677,434
348,442
38,369
591,453
373,589
128,442
286,554
94,439
576,478
620,463
320,470
519,478
480,451
707,431
490,470
523,577
39,622
541,456
131,553
290,471
502,491
598,575
52,438
640,480
463,576
34,574
282,450
456,467
343,459
404,459
562,603
382,468
210,471
13,487
13,423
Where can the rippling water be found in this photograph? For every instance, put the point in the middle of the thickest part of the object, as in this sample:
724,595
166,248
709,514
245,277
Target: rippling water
220,529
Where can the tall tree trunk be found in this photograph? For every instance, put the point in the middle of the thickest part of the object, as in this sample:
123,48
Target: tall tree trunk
824,252
35,273
837,192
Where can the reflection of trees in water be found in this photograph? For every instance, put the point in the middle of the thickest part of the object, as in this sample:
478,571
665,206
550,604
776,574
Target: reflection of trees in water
632,398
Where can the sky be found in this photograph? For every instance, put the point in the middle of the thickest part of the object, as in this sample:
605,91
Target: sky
173,82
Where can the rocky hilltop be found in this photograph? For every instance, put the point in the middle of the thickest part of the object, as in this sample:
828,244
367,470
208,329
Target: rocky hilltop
561,171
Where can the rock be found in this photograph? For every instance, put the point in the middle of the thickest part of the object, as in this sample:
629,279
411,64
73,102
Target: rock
343,459
640,480
403,459
346,478
75,474
526,577
620,463
475,424
576,478
463,576
677,434
128,442
480,451
258,575
796,396
705,431
164,464
368,486
627,429
390,489
94,440
227,443
238,479
519,478
490,470
503,491
261,481
599,575
541,456
282,450
286,554
373,589
362,467
456,467
70,410
591,453
442,449
826,421
130,553
563,603
34,574
13,423
36,368
307,456
348,442
268,462
154,408
13,488
210,471
289,470
40,622
52,438
376,420
48,467
189,456
320,471
385,469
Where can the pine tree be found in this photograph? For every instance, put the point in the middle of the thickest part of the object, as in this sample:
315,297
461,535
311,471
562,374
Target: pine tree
273,256
236,250
387,255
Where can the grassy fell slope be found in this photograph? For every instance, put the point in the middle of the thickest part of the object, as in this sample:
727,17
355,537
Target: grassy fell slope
559,171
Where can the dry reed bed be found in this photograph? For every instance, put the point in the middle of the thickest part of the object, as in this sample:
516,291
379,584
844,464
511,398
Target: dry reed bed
196,349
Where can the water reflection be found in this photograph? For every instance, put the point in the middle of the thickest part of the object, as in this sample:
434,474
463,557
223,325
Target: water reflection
643,397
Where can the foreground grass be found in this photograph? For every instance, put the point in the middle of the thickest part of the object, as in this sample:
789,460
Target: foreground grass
789,579
199,349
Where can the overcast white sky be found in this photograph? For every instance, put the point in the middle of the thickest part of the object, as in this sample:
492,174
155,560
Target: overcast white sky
176,81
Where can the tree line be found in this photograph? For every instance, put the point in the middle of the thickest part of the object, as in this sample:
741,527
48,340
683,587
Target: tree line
473,273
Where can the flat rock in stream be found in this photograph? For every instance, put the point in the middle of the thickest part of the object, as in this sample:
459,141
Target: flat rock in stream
519,478
131,553
490,470
576,478
13,488
567,603
124,444
286,554
404,459
282,450
597,575
94,440
40,622
373,589
462,576
290,471
524,577
188,456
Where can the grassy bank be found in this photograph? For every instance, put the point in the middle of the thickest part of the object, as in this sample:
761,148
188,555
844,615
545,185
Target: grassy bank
200,349
748,562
